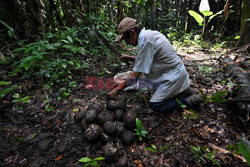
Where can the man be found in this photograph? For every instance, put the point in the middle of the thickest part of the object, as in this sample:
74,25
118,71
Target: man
160,64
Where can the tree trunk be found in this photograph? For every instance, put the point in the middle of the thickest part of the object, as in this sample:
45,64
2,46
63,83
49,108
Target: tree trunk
119,15
245,24
231,21
190,7
53,12
35,19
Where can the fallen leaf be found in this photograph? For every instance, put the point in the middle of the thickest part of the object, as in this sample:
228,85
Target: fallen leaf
140,164
58,158
187,111
209,129
59,122
169,138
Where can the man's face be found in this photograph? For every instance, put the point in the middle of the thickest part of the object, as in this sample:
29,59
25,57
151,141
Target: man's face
133,39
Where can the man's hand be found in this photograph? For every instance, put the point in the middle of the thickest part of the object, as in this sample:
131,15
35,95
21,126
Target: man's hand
121,83
113,93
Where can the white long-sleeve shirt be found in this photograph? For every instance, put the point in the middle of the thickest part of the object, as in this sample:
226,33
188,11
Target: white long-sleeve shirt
157,59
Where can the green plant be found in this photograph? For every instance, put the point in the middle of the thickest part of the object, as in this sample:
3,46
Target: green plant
210,155
155,149
63,93
10,29
19,99
216,97
202,153
183,106
197,152
2,83
47,104
139,96
72,84
188,113
244,148
218,45
54,57
233,148
91,162
139,131
6,90
206,69
205,10
48,85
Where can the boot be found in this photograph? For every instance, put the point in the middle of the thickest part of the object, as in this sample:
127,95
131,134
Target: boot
195,99
190,91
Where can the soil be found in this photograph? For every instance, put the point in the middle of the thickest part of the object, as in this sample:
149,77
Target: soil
35,137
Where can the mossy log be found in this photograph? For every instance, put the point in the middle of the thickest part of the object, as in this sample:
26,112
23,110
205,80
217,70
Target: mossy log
240,102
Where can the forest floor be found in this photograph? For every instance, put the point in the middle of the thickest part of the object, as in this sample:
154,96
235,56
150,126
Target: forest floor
35,137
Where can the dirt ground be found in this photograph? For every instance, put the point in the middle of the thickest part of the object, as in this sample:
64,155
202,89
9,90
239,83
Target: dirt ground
35,137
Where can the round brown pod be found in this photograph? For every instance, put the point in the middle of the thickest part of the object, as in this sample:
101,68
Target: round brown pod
93,132
79,116
109,128
127,138
119,128
105,138
116,104
118,123
129,120
91,116
110,151
84,125
95,106
105,116
119,114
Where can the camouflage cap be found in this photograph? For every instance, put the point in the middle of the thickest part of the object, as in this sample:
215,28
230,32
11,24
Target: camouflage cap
126,24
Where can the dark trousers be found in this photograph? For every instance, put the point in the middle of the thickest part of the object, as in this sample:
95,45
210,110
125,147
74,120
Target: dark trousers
168,105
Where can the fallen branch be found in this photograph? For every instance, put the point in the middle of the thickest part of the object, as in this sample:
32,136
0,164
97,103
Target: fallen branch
222,150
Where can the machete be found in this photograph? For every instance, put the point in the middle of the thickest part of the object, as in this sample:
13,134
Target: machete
105,42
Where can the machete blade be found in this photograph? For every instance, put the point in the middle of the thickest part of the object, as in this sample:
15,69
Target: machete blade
105,42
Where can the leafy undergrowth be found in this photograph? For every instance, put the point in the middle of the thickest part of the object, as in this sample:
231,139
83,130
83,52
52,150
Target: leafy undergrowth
42,131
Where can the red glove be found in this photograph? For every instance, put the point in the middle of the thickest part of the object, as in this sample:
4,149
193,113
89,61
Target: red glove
120,86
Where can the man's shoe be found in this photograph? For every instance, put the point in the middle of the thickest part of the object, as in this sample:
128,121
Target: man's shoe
190,91
195,99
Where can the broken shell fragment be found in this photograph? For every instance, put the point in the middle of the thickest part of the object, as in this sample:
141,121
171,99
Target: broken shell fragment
116,104
128,138
119,114
110,151
95,106
91,116
79,116
129,120
105,116
93,132
109,128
